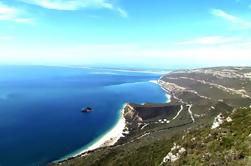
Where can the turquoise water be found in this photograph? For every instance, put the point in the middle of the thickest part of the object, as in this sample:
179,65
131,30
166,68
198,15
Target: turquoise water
40,118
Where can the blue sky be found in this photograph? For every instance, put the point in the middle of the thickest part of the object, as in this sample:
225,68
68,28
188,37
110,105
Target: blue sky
141,33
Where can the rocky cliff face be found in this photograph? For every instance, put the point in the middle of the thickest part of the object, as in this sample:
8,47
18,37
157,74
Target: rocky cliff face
131,115
140,116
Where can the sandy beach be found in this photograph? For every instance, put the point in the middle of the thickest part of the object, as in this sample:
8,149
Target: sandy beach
154,81
168,96
109,138
114,134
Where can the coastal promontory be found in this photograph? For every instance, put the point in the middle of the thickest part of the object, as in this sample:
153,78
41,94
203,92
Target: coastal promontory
207,122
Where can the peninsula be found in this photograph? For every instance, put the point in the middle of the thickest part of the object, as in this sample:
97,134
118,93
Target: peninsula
206,122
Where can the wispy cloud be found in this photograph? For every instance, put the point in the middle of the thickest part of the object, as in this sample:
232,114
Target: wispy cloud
77,5
122,12
132,54
8,13
231,18
210,40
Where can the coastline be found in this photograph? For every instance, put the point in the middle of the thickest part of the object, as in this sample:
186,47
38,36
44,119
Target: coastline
140,118
167,94
112,136
107,139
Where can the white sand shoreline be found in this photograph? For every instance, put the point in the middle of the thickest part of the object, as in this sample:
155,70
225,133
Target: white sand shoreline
113,134
108,139
111,137
168,96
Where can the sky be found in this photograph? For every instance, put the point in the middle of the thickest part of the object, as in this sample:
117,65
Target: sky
132,33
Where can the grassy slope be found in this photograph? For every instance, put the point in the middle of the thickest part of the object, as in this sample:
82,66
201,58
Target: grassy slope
228,145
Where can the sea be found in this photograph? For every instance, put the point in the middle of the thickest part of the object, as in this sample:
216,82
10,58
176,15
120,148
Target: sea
40,108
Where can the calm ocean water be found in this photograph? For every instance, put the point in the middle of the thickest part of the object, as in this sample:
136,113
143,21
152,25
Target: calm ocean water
40,118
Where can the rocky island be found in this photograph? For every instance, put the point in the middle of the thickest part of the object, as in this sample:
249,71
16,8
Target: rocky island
207,122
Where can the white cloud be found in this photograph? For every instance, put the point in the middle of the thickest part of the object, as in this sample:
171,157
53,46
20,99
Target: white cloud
231,18
128,54
76,5
210,40
8,13
122,12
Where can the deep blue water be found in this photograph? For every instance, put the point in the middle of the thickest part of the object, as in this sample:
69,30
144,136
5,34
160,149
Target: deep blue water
40,118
